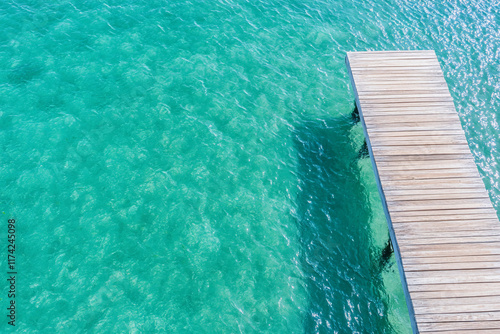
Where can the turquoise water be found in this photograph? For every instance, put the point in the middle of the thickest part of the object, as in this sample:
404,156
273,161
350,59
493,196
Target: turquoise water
191,167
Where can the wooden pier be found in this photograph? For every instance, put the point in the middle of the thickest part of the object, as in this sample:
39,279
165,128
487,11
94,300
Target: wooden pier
445,232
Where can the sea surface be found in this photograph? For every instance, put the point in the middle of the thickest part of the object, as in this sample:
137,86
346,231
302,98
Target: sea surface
192,166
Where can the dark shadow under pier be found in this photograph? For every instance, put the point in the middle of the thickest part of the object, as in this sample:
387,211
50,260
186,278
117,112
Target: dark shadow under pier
333,215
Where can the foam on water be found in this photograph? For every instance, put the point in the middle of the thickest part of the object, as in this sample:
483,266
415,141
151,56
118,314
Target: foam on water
190,167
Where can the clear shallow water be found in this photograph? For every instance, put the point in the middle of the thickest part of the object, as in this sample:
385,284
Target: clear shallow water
191,167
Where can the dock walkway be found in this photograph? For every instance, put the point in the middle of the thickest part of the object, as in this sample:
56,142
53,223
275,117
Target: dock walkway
445,232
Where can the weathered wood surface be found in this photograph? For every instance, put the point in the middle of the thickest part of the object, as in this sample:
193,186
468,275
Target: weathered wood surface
444,229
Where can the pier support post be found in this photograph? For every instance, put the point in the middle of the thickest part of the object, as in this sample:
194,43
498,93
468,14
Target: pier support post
363,151
355,114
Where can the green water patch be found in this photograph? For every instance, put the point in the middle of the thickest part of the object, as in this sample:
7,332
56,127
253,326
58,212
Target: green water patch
24,72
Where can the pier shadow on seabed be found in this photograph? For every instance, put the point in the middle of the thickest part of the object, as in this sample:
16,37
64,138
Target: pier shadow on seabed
340,264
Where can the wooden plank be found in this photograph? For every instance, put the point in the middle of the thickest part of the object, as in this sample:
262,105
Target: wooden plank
446,232
408,116
445,183
360,61
405,174
384,80
459,326
446,239
390,76
417,141
429,174
440,196
414,229
397,64
390,54
364,62
407,98
358,56
454,266
456,290
429,162
387,107
384,134
442,250
394,63
401,69
394,80
363,57
433,103
407,112
474,317
442,214
363,86
456,286
490,300
454,218
484,277
421,149
416,205
414,126
413,165
426,234
403,74
395,114
429,308
405,88
423,157
472,331
421,228
453,189
387,72
410,126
